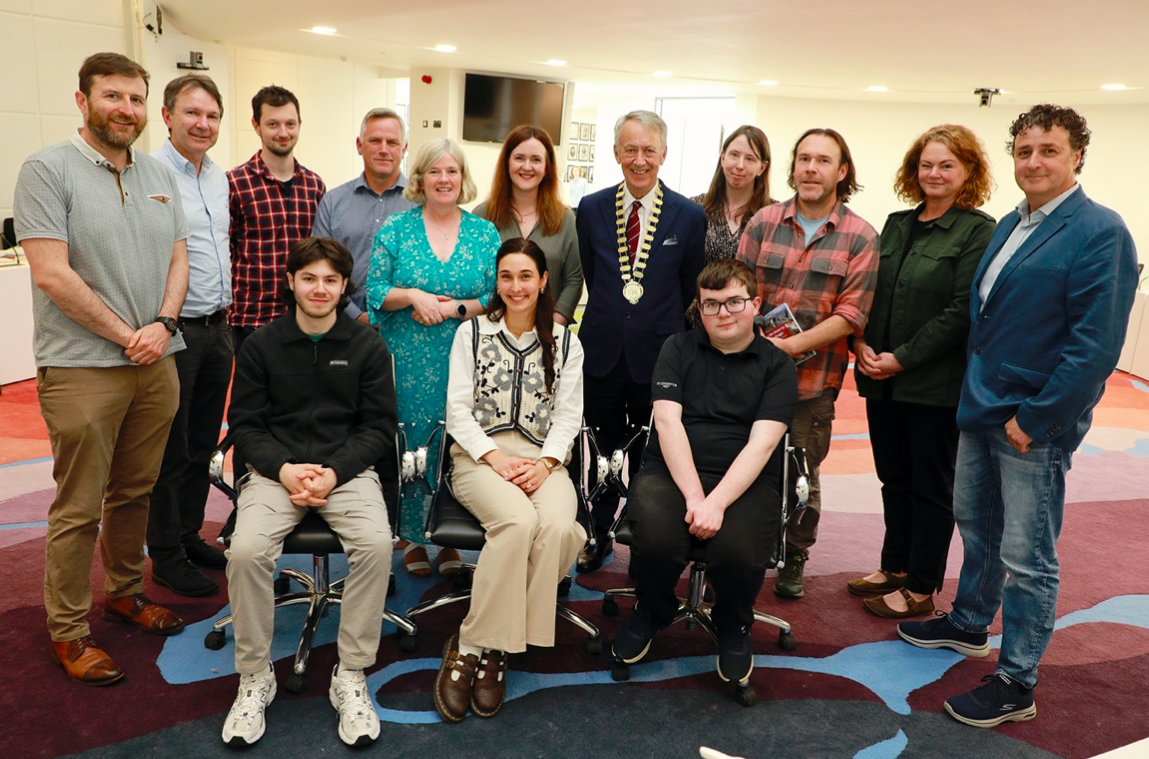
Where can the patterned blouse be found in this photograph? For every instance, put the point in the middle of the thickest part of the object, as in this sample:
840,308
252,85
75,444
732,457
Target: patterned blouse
720,241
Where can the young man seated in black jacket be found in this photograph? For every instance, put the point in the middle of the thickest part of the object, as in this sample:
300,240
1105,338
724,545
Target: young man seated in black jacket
711,474
312,411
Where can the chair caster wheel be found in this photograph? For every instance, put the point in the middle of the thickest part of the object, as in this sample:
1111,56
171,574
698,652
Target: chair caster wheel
620,671
787,641
281,585
391,589
408,643
461,579
215,640
594,645
609,607
745,695
295,683
565,587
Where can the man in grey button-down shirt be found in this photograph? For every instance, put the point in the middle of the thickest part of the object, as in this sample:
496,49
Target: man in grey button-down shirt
192,111
354,211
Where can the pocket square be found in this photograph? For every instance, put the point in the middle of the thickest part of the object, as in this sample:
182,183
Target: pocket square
672,240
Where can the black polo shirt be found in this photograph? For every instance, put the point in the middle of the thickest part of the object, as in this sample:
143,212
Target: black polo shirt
722,395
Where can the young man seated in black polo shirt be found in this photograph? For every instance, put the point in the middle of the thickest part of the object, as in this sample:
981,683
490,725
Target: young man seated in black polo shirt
711,474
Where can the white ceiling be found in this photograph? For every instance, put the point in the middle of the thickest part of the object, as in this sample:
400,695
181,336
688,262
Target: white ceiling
833,49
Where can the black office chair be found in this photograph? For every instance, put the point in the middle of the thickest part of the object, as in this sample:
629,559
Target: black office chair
311,536
694,609
450,525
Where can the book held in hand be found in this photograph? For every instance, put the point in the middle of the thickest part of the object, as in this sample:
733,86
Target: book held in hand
780,322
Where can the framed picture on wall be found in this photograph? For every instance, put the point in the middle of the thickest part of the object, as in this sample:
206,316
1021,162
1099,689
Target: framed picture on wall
584,152
592,152
584,132
572,152
592,131
574,133
590,174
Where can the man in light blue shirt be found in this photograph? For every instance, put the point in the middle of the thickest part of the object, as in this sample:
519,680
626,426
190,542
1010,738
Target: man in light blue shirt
193,109
354,211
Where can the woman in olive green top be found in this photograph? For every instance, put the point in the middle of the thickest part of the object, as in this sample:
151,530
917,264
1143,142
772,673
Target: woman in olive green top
910,363
525,201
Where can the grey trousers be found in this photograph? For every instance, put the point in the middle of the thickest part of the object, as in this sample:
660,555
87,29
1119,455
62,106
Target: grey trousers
356,512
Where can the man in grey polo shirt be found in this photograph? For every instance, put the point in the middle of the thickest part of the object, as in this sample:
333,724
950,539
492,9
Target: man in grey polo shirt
105,233
354,211
193,109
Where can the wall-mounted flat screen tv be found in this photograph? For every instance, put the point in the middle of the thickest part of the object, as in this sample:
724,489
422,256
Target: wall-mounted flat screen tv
494,105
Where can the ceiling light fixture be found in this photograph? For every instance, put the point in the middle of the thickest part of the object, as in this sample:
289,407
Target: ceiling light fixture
445,48
877,88
321,30
1114,87
663,74
556,62
767,83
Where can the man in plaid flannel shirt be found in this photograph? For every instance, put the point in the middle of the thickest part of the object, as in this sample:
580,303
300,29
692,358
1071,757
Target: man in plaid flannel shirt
273,202
821,259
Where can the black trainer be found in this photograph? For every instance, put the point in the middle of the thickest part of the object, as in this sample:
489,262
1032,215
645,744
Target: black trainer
633,640
1001,699
735,654
201,554
180,577
939,632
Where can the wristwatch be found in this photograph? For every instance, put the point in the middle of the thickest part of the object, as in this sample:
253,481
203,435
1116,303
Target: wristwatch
461,310
547,462
168,322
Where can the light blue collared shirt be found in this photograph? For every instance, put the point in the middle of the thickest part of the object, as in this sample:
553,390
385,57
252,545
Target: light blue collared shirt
1030,220
205,199
353,214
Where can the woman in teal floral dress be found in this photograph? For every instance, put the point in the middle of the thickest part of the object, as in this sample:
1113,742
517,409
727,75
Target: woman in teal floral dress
431,267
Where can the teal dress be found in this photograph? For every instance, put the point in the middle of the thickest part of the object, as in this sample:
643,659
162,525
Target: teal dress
402,257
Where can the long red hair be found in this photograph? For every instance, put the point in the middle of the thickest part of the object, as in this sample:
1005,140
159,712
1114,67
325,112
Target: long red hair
550,205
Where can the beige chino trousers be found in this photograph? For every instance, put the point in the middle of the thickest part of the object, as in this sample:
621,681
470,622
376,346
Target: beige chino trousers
532,540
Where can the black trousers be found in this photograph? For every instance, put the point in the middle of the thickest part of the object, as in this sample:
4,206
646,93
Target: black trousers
915,451
177,503
614,406
736,557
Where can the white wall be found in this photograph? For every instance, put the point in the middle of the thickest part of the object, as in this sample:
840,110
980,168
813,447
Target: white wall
45,41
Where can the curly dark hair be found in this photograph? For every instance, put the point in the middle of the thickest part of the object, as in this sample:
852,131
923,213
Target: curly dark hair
1046,116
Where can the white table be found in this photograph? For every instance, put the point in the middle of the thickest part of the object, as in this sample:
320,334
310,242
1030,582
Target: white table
16,360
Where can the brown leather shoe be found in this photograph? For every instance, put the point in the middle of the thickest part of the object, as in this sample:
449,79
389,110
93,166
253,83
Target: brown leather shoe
490,684
914,608
454,682
141,611
85,663
863,587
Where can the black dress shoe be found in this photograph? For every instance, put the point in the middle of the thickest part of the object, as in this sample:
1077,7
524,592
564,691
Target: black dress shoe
201,554
592,557
180,577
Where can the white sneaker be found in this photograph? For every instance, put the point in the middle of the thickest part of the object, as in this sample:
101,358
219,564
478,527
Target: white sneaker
358,721
244,724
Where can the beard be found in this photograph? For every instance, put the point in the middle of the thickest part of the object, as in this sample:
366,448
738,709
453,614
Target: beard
276,150
100,127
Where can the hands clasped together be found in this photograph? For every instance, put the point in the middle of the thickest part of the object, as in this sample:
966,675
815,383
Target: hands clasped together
878,366
148,344
526,474
428,309
704,515
307,484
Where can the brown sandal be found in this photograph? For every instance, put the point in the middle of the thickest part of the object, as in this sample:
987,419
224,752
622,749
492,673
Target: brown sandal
914,608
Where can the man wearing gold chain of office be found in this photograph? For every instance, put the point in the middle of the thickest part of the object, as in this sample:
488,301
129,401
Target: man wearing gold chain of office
641,246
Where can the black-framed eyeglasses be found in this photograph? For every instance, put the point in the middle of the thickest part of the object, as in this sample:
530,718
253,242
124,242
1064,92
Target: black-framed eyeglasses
733,306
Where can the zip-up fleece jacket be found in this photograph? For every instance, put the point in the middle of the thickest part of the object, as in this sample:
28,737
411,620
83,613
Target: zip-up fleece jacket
329,402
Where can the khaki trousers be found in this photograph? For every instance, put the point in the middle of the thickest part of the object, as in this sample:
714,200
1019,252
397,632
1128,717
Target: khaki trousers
531,543
108,427
264,517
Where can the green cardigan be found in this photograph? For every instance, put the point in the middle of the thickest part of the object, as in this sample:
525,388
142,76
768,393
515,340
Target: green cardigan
927,307
563,264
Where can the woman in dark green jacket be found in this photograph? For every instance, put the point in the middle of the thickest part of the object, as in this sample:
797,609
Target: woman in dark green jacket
910,362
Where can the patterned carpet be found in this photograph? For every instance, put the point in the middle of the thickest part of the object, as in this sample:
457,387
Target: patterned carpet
850,689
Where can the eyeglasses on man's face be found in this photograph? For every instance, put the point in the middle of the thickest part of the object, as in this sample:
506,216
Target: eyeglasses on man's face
733,306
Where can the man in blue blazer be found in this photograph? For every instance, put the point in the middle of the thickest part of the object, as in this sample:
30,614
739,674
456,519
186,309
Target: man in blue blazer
1050,303
641,246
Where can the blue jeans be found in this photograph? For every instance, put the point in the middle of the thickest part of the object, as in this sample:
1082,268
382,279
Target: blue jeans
1009,508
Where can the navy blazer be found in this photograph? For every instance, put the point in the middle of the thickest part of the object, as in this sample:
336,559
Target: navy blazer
611,326
1053,325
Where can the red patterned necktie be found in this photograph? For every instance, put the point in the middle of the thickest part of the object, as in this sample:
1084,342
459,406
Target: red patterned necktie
633,230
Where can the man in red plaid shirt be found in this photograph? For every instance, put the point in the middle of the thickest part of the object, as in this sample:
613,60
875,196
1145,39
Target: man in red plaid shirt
273,202
821,259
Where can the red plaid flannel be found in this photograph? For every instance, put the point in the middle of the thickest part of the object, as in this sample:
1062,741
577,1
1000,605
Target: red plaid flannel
834,274
267,217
